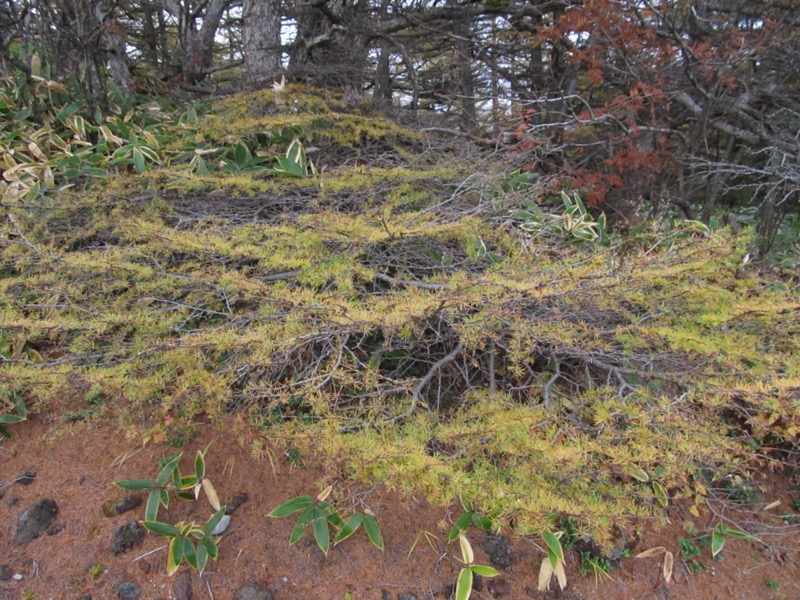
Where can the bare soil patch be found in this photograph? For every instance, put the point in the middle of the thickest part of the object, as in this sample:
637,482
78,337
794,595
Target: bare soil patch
77,469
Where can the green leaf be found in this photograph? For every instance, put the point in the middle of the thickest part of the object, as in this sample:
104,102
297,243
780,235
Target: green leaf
717,541
552,558
211,546
333,516
302,523
661,495
461,525
11,418
484,571
353,523
189,553
214,521
138,161
22,410
464,585
174,555
159,528
241,154
292,506
199,466
4,432
69,110
322,534
295,152
188,482
151,508
579,203
136,484
202,557
149,153
482,522
639,474
735,533
554,546
373,531
168,469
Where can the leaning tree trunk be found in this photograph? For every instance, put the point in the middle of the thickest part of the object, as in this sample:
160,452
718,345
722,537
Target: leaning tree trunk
261,39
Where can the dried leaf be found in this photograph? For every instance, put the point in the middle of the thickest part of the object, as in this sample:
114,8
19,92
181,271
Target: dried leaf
561,575
667,567
545,573
466,549
656,551
211,494
772,505
325,493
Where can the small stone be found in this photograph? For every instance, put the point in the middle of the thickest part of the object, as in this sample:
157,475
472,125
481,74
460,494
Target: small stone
144,566
182,588
55,529
406,596
129,591
499,552
498,587
13,501
385,595
121,505
253,591
237,501
25,478
126,537
35,520
5,573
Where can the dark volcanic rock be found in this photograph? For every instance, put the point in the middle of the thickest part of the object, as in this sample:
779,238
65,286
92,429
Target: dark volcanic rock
25,478
129,591
237,501
182,588
117,507
253,591
499,552
5,573
406,596
126,537
35,520
498,587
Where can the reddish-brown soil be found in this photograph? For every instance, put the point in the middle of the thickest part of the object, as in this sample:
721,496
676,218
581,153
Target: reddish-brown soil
77,469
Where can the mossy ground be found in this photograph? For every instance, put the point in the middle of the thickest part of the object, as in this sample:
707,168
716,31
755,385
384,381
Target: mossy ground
389,318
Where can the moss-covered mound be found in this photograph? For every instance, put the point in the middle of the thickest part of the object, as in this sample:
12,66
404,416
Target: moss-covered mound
390,317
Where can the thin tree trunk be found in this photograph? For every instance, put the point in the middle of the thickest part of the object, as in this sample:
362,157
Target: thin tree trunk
261,39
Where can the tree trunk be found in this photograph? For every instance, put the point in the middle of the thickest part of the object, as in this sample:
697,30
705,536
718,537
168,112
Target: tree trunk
261,39
465,75
197,44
